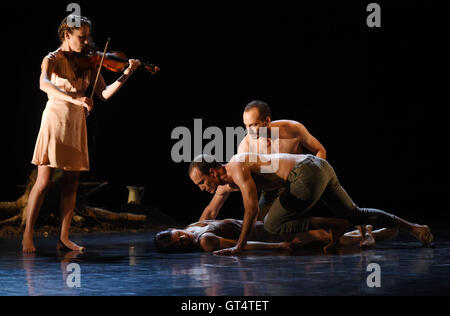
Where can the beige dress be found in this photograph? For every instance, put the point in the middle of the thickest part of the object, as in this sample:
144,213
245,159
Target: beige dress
62,138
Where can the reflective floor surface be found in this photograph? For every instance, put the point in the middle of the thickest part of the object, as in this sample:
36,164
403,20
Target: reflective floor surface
127,264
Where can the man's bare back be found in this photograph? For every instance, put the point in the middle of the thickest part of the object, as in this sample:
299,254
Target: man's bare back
270,172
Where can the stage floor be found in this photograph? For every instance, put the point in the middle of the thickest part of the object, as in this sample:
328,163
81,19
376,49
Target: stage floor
127,264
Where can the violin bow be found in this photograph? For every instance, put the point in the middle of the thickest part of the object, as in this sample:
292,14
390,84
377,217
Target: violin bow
98,71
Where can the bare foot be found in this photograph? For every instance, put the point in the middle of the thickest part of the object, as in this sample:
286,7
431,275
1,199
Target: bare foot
423,234
69,245
28,245
367,241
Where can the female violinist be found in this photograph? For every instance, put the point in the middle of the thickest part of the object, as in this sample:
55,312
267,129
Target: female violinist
62,138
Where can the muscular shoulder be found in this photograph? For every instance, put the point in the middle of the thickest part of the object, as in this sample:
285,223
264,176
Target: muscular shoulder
240,163
242,166
289,128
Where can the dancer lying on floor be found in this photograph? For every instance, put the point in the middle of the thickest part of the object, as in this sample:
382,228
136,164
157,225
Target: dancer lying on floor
212,235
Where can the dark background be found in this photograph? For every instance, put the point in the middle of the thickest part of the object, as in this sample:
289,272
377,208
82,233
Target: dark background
371,96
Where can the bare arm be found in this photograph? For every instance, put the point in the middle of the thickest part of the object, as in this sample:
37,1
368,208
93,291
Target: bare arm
213,208
242,178
210,242
310,142
223,192
105,92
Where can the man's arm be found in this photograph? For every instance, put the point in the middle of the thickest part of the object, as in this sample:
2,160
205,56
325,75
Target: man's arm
243,179
223,192
310,142
212,210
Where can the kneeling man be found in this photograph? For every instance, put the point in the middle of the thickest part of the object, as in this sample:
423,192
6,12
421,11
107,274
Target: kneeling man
306,179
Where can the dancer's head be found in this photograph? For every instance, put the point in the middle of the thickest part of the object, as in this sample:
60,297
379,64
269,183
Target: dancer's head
204,172
74,32
256,115
175,240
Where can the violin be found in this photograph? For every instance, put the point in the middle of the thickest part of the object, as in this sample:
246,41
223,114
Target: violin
90,58
114,61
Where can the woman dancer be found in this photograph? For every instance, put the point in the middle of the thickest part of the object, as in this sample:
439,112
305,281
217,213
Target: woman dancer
212,235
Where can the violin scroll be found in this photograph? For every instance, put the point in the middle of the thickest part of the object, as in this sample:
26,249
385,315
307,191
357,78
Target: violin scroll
151,68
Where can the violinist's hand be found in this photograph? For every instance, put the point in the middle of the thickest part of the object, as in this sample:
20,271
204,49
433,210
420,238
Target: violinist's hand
133,65
86,102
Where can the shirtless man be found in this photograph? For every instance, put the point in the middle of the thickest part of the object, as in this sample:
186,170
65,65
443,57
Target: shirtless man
292,138
306,179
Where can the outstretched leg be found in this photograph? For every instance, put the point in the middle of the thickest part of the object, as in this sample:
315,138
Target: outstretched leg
340,203
354,237
421,232
315,180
